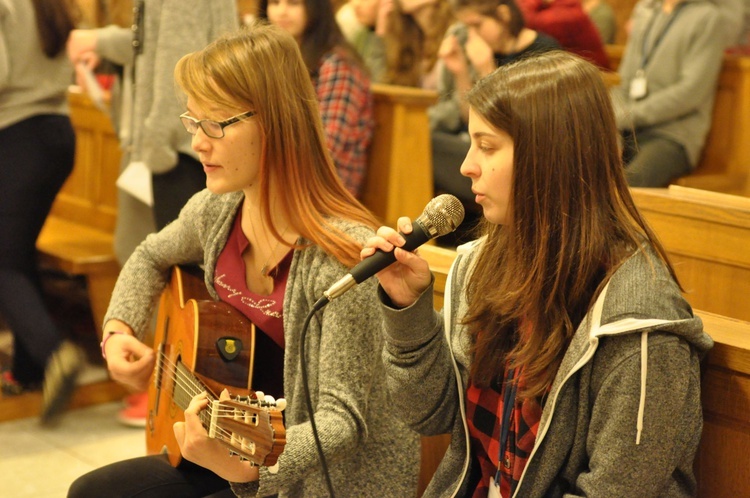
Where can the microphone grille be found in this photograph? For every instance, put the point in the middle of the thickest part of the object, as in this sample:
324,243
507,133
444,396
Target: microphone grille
444,213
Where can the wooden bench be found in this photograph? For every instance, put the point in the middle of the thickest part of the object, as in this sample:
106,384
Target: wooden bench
77,237
707,236
399,174
722,461
724,165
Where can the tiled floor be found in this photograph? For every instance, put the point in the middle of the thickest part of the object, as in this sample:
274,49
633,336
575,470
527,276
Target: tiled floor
42,462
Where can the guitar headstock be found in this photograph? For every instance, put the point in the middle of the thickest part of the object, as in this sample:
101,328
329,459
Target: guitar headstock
251,427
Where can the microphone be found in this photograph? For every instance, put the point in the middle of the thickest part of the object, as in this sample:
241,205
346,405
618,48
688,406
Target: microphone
441,216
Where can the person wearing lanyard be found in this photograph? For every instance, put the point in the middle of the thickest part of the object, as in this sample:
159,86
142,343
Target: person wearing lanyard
565,361
668,79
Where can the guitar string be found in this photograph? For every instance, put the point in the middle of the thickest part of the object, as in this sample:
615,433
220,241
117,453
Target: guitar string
183,381
244,446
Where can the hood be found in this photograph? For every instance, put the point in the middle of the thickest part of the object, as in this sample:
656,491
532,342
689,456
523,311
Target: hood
640,298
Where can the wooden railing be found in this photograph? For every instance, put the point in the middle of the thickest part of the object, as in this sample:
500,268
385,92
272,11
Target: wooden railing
707,236
399,174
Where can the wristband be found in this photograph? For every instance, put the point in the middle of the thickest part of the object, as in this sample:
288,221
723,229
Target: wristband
106,338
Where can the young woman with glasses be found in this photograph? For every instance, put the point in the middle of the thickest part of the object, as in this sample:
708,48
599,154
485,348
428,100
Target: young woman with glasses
273,230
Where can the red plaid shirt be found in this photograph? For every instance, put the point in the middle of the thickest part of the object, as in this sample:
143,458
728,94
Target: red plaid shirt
484,409
343,90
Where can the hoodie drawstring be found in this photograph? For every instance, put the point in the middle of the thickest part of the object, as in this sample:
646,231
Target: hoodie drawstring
644,375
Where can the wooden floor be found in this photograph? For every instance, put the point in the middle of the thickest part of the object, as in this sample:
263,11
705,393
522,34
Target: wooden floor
29,404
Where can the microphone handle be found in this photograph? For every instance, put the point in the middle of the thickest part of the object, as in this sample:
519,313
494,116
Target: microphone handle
381,259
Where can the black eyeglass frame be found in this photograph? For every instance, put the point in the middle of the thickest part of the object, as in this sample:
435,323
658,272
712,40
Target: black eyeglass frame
189,121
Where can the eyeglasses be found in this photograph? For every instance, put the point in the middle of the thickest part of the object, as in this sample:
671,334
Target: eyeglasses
213,129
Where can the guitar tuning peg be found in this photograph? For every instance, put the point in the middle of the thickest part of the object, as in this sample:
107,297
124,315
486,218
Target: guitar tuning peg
259,395
269,399
281,404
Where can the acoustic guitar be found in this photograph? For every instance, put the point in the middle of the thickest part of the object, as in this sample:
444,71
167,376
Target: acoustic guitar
204,345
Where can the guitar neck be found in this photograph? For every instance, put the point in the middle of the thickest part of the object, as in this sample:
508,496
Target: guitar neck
187,386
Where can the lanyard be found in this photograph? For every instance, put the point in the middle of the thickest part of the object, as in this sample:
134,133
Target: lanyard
509,402
645,56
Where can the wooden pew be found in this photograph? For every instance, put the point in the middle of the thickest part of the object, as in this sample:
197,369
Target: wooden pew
722,461
724,165
707,236
77,237
399,175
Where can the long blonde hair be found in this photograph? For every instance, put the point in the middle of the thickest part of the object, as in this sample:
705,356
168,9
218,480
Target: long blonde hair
260,67
572,220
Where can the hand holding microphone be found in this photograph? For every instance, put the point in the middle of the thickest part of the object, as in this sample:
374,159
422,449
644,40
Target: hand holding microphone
441,216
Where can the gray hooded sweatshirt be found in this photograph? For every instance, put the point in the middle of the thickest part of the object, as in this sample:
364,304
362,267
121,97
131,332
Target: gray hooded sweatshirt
623,417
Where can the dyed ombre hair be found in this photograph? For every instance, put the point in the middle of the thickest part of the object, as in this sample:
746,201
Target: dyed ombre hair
260,68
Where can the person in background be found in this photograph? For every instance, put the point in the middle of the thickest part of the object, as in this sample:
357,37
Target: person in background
668,78
142,106
37,141
412,31
565,351
568,23
603,16
399,39
273,230
365,37
341,80
490,33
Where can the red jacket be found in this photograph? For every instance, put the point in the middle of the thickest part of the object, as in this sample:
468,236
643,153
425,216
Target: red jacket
566,21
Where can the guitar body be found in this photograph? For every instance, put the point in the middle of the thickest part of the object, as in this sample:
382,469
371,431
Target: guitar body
211,342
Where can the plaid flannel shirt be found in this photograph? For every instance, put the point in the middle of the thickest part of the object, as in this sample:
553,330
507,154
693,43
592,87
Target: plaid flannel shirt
484,408
343,90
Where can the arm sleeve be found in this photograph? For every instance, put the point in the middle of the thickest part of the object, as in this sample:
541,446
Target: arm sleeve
145,274
115,44
181,31
697,80
419,369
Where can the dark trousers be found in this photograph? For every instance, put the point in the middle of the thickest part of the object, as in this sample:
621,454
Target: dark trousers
149,477
173,189
36,157
652,160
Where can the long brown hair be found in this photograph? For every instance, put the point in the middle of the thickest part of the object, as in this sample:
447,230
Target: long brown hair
260,68
410,51
55,19
572,220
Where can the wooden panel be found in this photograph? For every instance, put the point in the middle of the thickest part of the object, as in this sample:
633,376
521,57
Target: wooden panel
721,467
89,196
707,236
399,175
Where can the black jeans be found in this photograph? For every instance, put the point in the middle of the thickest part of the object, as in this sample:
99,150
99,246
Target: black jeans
36,157
175,187
149,477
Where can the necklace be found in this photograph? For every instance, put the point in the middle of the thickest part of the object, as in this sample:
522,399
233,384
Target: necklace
264,269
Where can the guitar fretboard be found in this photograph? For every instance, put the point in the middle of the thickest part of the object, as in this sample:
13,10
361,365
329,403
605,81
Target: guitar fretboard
186,387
